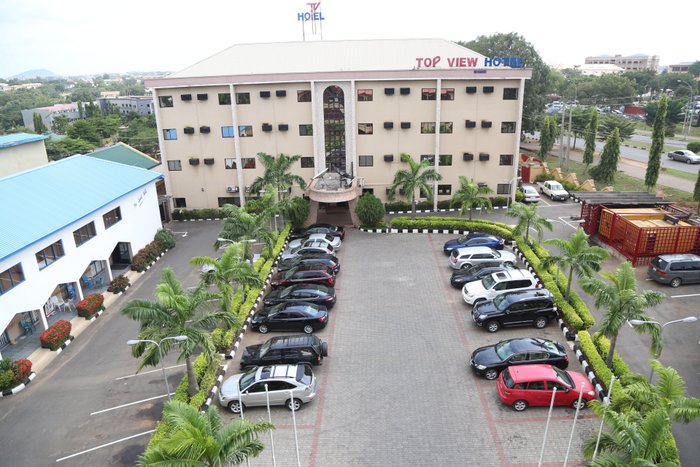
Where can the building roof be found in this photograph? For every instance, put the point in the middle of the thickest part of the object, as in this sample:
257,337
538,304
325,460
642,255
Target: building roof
46,199
322,56
72,106
15,139
626,198
125,154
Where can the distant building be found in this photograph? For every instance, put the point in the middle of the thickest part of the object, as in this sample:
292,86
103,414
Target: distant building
637,62
142,105
599,69
21,151
682,67
15,87
110,94
49,113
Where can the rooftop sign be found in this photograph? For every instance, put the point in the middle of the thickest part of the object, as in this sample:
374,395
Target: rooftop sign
468,62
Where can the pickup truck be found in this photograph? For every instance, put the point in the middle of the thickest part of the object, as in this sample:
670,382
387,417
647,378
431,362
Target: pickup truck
554,190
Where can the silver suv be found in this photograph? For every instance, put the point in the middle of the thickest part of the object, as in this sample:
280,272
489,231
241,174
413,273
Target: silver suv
290,385
462,258
675,270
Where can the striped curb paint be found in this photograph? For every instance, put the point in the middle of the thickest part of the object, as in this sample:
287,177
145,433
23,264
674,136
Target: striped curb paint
21,387
428,211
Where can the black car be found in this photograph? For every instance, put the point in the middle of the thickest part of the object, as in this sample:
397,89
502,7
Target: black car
298,349
301,316
335,230
490,360
522,308
312,293
330,261
475,273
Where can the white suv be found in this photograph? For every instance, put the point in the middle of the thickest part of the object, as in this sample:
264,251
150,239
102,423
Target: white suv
462,258
497,283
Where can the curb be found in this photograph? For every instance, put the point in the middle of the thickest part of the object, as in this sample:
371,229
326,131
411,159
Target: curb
21,387
154,262
428,211
421,231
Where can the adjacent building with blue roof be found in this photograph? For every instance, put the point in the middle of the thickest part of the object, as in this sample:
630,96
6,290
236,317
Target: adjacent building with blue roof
21,151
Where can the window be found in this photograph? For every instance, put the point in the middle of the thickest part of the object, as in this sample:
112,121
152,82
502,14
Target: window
224,98
49,254
248,162
428,157
306,130
508,127
365,128
112,217
366,161
245,131
444,189
428,94
180,202
230,163
510,94
303,96
170,133
227,132
364,95
446,127
307,162
84,233
165,101
11,278
447,94
506,159
242,98
427,128
368,190
503,189
445,159
174,166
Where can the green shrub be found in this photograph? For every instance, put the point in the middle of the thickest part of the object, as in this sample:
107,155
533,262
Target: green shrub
602,344
445,204
209,213
7,379
569,186
601,371
370,210
543,177
223,340
694,146
499,201
166,238
296,211
453,223
55,335
254,206
119,284
519,195
90,305
398,206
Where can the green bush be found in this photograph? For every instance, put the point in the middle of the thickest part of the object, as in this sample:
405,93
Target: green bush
166,238
223,340
370,210
543,177
119,284
398,206
445,204
296,211
602,344
499,201
519,196
453,223
569,186
209,213
602,372
694,146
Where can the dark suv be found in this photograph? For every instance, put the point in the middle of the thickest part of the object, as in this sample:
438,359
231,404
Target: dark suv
299,349
522,308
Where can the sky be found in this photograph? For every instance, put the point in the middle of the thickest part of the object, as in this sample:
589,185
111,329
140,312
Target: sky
79,37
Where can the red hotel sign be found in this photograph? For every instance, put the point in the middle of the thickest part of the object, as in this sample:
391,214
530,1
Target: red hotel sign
468,62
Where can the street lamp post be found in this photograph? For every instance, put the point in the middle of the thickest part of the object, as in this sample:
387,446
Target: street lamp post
657,354
160,353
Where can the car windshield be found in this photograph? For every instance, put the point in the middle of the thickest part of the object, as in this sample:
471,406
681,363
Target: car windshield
508,379
488,282
290,273
500,301
285,293
247,379
556,186
564,377
659,263
503,350
529,190
304,374
496,253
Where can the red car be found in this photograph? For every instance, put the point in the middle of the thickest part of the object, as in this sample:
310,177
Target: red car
525,385
304,274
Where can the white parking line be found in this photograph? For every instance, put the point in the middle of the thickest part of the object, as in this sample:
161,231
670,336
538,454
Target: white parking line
127,405
105,445
683,296
147,372
545,202
567,223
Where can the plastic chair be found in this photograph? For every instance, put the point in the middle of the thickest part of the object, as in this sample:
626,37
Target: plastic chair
28,326
87,281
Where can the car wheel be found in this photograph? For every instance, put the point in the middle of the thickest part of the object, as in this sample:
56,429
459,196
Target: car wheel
687,161
324,349
293,404
509,264
675,282
263,329
234,406
308,329
579,405
491,374
540,322
465,266
493,326
520,405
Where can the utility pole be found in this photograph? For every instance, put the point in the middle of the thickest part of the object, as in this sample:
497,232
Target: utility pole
561,137
568,139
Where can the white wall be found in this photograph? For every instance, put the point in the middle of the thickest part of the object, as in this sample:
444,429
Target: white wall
22,157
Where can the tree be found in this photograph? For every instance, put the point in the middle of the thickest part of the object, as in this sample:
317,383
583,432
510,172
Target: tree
608,123
370,210
176,312
696,192
675,113
277,174
60,124
577,256
657,145
623,303
39,126
605,170
694,69
85,130
527,218
590,135
548,134
514,45
242,226
295,210
417,177
469,195
67,146
200,439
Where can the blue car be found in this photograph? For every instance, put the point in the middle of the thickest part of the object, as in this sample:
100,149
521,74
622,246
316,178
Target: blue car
473,239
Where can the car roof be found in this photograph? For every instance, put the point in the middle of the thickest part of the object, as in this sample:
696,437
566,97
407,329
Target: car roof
528,294
529,188
512,274
299,340
527,344
474,249
680,257
534,372
276,371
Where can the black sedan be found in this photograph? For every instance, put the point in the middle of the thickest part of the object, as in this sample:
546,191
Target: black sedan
312,293
475,273
490,360
301,316
335,230
330,261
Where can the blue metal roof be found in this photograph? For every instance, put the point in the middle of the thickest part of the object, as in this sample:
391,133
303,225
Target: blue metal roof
41,201
15,139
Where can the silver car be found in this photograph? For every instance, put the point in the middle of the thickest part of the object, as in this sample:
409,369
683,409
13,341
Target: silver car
462,258
683,155
310,246
290,385
332,240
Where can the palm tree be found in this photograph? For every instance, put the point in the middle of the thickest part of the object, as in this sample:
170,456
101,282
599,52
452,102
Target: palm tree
527,217
176,312
577,256
623,303
417,177
277,174
241,226
231,268
200,439
470,196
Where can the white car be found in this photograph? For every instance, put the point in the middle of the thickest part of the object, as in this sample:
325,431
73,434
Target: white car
497,283
311,246
332,240
462,258
530,195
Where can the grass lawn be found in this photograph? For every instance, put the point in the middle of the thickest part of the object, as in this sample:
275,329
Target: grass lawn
645,145
680,174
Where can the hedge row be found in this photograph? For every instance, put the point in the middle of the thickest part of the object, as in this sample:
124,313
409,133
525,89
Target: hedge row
496,201
602,344
147,255
601,370
90,305
55,335
453,223
186,214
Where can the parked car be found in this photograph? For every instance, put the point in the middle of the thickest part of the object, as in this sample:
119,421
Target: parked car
248,389
490,360
462,258
337,230
497,283
684,155
524,385
473,239
554,190
329,261
312,246
312,293
301,316
304,274
530,195
331,239
529,307
305,349
476,273
675,270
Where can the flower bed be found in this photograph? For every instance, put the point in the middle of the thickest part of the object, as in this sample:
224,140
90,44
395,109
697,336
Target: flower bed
119,284
147,255
90,305
14,373
56,335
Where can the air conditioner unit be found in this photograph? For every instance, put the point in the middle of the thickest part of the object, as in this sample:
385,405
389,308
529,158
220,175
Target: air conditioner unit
247,189
231,189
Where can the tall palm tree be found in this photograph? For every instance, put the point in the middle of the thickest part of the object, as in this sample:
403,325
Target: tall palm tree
623,303
417,177
527,217
176,312
224,272
471,195
577,256
277,174
201,439
248,228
